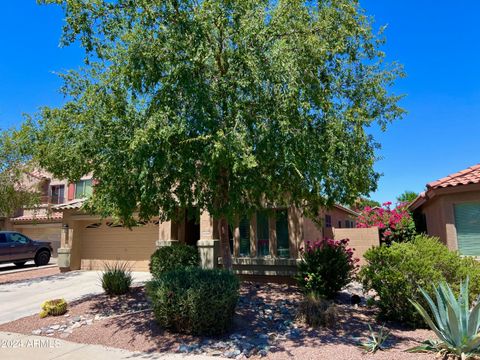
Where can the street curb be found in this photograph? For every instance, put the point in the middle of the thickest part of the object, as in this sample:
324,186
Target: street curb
21,270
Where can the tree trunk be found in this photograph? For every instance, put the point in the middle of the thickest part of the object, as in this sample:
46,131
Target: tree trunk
225,243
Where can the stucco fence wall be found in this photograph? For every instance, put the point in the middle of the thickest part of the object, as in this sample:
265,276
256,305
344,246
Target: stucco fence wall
361,239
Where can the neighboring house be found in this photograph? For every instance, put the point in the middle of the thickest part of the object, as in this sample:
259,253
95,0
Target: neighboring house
42,222
450,210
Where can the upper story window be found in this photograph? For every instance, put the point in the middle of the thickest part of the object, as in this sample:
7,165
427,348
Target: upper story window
83,189
328,221
57,194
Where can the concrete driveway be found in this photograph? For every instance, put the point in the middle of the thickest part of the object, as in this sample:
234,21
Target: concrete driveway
23,298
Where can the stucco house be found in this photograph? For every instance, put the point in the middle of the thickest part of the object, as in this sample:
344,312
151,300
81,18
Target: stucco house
265,244
268,243
43,222
450,210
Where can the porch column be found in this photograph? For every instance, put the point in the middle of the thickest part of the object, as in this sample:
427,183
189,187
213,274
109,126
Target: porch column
272,227
236,238
167,234
65,249
295,232
253,236
208,246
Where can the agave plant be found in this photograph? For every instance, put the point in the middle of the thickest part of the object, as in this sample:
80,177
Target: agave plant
376,340
454,323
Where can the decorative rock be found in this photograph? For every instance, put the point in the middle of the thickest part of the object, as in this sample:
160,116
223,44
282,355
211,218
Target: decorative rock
55,327
37,332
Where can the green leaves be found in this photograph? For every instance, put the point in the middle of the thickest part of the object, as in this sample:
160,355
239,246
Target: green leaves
456,325
223,105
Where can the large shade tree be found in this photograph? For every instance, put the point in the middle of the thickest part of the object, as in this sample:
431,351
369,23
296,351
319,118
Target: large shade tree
16,188
222,105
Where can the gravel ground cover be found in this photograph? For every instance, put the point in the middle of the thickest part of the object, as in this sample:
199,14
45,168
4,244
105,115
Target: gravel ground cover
26,275
265,326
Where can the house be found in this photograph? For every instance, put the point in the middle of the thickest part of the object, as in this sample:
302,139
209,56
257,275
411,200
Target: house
42,222
450,210
267,243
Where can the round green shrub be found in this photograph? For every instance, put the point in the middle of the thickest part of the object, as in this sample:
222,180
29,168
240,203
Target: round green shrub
173,257
194,300
396,272
117,279
326,267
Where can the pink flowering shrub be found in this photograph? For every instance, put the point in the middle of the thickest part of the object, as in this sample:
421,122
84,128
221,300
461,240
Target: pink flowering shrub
326,267
394,224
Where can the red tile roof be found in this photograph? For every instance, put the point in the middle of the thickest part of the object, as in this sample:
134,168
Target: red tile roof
464,177
51,217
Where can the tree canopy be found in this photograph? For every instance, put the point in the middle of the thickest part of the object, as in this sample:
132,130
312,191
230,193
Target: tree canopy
407,197
15,193
225,105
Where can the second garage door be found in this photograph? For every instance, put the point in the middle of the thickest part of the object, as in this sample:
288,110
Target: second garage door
104,242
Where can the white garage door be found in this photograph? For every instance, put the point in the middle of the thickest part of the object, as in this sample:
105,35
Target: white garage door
105,242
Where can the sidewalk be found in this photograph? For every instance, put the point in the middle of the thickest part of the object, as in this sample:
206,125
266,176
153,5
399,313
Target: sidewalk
19,347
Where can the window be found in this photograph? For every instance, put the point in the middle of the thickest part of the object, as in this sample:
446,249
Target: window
281,224
349,224
83,189
340,223
57,194
244,228
3,238
18,238
263,234
328,221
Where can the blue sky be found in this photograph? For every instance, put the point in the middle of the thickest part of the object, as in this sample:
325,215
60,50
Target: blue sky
437,42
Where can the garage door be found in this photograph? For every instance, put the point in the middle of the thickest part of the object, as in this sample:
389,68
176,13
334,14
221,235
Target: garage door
44,233
106,242
467,222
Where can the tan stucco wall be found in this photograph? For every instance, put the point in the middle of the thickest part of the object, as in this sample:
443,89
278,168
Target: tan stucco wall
440,214
360,240
313,231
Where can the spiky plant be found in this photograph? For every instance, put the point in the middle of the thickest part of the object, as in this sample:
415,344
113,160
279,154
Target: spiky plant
376,340
454,323
117,278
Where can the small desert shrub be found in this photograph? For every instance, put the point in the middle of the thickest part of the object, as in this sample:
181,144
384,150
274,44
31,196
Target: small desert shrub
173,257
194,301
397,272
316,311
116,279
326,267
376,340
54,307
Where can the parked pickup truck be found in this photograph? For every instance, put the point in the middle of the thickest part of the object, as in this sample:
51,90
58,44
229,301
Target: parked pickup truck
18,249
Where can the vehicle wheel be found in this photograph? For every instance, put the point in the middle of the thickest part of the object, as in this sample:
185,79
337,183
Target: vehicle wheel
42,257
19,263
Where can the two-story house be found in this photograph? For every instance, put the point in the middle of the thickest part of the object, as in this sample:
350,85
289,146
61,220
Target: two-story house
43,222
